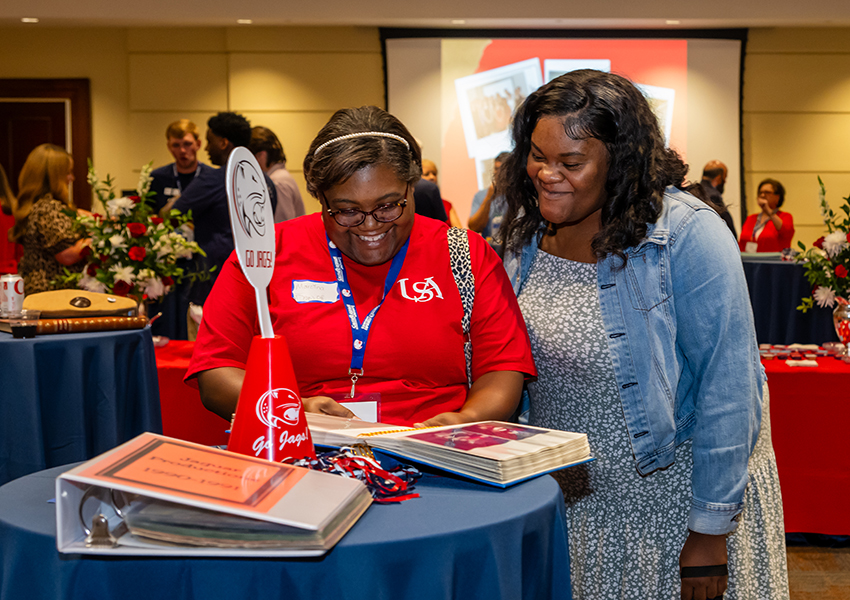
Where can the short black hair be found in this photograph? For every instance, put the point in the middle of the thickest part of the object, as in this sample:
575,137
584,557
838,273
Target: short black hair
231,126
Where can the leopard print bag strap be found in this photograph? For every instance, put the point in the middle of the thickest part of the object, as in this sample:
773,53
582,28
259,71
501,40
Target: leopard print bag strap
461,263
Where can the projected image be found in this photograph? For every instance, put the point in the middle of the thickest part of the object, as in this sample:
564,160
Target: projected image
487,100
661,101
555,67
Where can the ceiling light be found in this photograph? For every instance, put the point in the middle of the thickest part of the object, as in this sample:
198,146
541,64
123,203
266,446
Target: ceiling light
29,20
672,22
458,22
244,21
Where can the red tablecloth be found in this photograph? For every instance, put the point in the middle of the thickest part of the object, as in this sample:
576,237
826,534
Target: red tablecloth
810,415
183,415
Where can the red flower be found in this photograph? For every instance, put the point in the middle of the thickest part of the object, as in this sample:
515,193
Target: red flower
841,271
137,253
135,199
91,270
137,229
167,281
98,217
85,252
848,236
103,258
818,243
121,288
156,220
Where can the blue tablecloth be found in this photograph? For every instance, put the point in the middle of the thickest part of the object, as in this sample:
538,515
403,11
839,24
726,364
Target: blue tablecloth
458,540
776,290
70,397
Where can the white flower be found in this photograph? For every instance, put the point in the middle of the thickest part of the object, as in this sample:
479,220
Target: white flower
124,274
144,180
91,284
101,244
153,287
834,243
118,241
825,297
119,207
145,274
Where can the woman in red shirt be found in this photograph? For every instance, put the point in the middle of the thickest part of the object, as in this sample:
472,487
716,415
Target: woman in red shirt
367,287
771,230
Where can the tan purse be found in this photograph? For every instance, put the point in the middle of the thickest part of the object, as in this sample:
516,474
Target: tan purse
63,304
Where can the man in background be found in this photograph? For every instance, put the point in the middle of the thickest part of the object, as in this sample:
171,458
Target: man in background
713,181
207,199
183,143
268,151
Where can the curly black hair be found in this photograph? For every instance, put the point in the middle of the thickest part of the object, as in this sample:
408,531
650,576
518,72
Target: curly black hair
232,126
610,108
336,162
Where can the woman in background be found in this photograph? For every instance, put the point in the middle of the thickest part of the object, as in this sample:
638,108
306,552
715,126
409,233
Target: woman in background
771,230
44,219
642,332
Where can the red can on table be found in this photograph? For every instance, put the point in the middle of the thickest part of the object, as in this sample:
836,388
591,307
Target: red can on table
12,294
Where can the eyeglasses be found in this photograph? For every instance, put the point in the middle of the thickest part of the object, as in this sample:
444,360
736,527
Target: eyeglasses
386,213
763,193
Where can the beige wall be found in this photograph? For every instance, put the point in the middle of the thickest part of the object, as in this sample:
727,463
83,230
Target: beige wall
797,119
288,79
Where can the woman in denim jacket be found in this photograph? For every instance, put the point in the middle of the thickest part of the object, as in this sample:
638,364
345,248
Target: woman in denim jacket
642,331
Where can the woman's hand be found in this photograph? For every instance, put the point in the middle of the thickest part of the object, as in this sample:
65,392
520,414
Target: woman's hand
702,550
327,406
493,397
446,418
73,254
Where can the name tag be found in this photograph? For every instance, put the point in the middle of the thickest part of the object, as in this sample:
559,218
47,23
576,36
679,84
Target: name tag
751,247
304,291
171,192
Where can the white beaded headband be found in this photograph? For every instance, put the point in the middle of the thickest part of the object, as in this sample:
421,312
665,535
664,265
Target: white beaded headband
362,134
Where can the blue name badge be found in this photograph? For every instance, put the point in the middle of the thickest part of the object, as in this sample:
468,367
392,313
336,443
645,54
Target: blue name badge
305,291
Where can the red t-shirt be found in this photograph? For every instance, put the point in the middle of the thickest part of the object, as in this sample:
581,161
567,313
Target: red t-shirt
770,240
414,354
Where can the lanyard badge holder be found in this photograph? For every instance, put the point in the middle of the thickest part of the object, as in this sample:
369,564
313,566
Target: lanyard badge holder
269,422
360,331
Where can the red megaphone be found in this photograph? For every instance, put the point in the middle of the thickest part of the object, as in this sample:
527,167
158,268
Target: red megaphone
270,421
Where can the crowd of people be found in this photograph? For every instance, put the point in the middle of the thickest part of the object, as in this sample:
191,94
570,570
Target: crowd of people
610,300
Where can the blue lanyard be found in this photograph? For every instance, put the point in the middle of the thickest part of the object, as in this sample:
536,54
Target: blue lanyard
360,331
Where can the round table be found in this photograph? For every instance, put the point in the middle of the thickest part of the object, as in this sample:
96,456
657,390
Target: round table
70,397
459,539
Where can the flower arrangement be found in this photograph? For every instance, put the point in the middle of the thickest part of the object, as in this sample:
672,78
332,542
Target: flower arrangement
133,252
828,260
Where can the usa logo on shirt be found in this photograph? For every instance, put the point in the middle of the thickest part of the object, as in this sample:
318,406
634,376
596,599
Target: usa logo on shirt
424,291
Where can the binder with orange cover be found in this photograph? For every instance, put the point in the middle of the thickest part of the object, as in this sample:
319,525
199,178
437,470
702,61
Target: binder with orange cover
166,496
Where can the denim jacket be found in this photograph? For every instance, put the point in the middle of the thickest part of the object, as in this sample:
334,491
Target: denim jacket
680,331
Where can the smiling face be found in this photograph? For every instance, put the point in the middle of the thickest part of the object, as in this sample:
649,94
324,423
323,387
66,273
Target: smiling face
185,152
569,175
370,243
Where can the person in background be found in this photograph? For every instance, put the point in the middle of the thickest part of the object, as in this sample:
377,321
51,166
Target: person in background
368,257
428,200
42,223
488,206
771,230
207,199
269,153
642,332
169,181
713,181
6,195
429,173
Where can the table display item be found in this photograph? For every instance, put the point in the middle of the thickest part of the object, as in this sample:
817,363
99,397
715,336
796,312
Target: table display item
841,320
492,452
58,304
269,420
80,325
24,324
11,294
156,495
